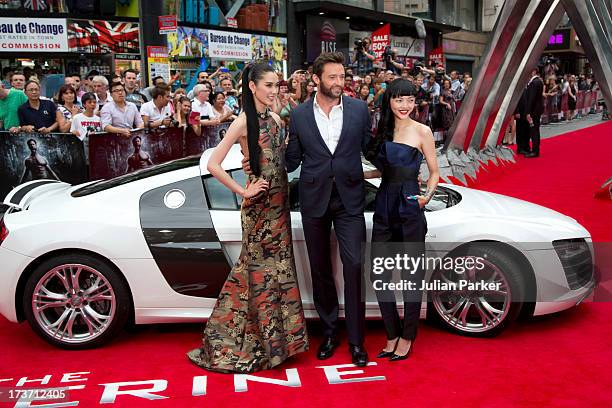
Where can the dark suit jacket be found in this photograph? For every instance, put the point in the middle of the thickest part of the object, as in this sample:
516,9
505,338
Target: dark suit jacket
321,168
520,107
534,101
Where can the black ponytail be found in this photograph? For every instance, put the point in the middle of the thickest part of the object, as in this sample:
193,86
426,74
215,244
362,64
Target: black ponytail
253,72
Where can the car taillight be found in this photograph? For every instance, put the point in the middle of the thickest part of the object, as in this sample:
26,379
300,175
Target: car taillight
3,232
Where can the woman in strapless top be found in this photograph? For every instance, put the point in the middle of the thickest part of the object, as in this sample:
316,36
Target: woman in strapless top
397,151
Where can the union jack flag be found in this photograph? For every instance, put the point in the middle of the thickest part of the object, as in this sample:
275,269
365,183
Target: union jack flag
35,5
103,37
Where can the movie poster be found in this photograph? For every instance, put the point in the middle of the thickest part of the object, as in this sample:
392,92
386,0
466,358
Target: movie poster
112,155
211,136
33,156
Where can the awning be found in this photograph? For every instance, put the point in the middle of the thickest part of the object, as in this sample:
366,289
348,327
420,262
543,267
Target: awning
367,17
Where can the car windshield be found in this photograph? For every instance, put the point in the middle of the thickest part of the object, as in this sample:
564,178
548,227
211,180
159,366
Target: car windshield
220,197
102,185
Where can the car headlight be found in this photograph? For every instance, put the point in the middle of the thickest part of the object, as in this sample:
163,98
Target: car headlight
576,258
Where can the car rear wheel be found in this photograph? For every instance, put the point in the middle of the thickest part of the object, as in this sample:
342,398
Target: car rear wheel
76,301
480,312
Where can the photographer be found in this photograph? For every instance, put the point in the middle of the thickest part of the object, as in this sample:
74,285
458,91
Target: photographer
551,67
391,64
421,100
363,59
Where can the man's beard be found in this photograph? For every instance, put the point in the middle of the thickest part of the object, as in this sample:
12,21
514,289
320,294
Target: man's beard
328,91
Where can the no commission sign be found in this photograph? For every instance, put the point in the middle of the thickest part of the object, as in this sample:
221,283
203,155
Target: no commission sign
33,35
227,45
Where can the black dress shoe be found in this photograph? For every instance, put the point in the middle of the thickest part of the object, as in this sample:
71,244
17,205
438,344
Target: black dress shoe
359,354
396,357
326,349
532,155
521,151
385,354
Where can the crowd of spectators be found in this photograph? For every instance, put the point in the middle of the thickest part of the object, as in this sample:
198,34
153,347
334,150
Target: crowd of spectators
439,96
115,104
118,104
560,96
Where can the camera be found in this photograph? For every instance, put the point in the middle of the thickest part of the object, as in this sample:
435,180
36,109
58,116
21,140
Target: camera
440,74
388,55
552,60
416,68
358,45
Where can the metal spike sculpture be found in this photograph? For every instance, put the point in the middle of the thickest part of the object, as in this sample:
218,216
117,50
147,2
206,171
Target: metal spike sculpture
520,35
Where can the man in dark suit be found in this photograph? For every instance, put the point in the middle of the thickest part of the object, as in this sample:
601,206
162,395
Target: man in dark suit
326,136
522,126
534,107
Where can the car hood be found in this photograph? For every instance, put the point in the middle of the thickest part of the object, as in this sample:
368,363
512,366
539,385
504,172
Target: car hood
486,204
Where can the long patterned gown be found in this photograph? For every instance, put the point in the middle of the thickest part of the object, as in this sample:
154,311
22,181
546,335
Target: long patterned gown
258,320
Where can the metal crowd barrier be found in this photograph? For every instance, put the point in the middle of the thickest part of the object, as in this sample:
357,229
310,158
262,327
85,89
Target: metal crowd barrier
556,107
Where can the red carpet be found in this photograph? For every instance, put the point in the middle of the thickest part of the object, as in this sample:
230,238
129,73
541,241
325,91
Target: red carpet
570,169
557,361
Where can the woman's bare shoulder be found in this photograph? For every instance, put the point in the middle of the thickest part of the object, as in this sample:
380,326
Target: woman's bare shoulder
424,130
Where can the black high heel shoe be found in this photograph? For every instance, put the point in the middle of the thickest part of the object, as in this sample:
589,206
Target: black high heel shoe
396,357
385,354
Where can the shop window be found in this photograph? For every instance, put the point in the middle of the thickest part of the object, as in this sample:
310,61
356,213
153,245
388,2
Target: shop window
460,13
413,8
267,15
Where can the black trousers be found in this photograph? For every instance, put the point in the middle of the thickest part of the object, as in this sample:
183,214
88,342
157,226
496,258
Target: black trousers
351,234
411,232
534,135
522,134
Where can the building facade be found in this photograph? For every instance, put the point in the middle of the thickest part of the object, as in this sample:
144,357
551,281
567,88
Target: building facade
456,29
212,35
60,37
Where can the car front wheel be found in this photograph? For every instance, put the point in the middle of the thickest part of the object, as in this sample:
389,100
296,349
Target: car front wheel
479,312
76,301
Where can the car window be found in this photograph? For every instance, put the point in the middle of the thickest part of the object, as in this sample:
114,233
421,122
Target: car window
219,197
241,179
443,198
370,197
294,196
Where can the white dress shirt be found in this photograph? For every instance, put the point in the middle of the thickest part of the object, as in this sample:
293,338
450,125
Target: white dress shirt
329,127
150,109
204,109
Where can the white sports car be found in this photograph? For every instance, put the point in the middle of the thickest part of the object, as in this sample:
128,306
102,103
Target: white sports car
155,246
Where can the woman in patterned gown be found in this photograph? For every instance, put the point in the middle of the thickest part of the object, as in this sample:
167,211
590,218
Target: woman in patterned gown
258,320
